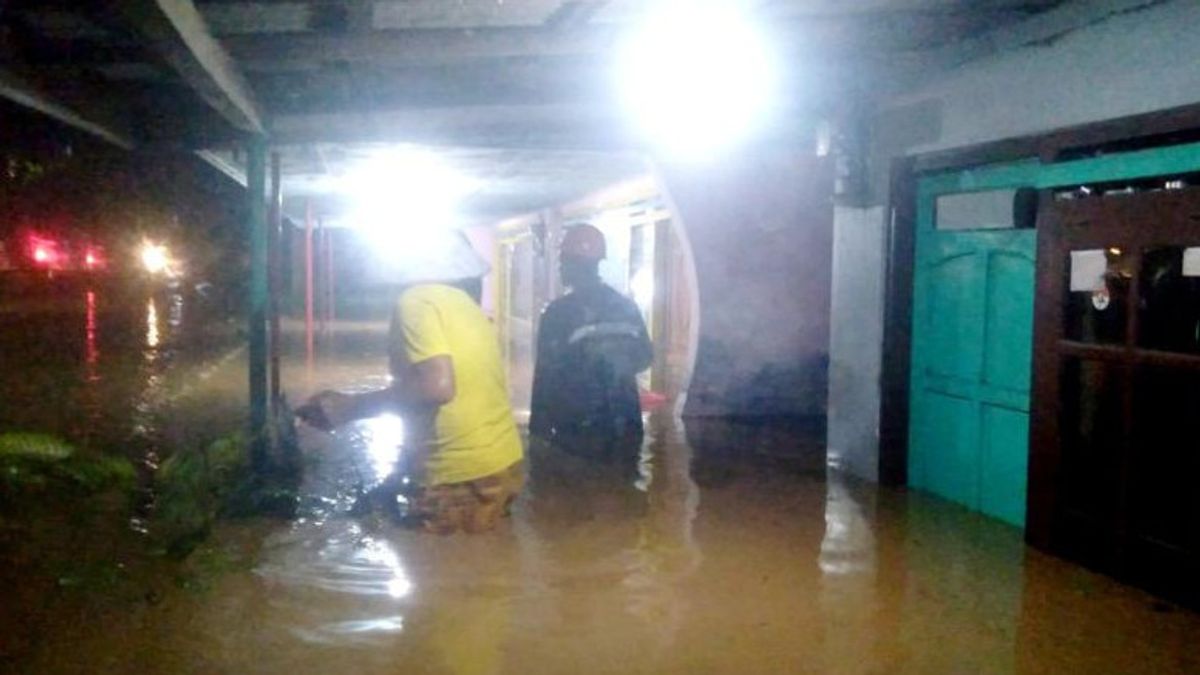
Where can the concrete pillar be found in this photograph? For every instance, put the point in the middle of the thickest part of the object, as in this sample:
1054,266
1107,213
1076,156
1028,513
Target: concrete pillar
256,234
275,262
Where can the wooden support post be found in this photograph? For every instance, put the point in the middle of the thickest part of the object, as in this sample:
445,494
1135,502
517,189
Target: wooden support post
308,283
322,277
275,260
256,232
329,298
660,329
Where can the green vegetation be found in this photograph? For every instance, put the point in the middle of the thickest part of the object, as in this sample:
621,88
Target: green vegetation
34,462
197,487
65,513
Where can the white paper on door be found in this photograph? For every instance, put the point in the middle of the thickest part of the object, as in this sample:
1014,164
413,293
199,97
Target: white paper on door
1088,269
1191,262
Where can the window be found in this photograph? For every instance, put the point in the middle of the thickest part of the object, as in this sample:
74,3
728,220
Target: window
1169,307
992,210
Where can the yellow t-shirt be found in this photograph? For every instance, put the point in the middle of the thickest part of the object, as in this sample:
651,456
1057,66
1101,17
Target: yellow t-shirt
473,435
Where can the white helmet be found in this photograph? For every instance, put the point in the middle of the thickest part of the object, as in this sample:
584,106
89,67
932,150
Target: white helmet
439,256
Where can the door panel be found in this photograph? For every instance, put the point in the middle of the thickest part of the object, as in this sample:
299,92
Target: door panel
951,436
1005,463
1009,336
952,338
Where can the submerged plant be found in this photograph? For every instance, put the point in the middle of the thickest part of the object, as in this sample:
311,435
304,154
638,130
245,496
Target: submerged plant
196,487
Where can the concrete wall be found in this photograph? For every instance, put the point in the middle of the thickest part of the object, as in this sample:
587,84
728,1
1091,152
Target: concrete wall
1136,60
760,228
1130,62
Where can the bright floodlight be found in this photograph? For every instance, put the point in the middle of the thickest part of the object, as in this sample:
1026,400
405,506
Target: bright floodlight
155,258
696,76
400,193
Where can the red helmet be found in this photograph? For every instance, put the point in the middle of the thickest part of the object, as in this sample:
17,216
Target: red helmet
584,241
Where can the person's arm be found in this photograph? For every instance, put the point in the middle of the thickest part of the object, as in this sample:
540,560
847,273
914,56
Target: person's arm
428,383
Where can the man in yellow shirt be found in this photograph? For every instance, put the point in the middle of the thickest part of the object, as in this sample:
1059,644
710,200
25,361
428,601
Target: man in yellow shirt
448,384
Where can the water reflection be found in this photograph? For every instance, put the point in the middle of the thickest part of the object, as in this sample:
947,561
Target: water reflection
381,553
359,580
848,599
848,546
353,631
92,398
349,561
91,347
150,400
151,324
381,439
175,311
665,554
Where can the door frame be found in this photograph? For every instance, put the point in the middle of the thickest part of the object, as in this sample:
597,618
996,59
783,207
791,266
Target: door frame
1178,127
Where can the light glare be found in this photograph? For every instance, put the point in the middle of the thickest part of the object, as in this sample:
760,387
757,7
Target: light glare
696,77
397,193
155,258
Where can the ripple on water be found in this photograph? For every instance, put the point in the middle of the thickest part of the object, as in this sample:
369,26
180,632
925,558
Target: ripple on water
359,580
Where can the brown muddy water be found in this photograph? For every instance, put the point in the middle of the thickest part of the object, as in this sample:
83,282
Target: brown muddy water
734,550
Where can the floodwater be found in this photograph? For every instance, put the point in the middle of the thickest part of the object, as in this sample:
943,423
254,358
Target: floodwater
101,364
734,550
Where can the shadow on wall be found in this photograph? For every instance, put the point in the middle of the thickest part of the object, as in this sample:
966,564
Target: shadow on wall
772,390
761,233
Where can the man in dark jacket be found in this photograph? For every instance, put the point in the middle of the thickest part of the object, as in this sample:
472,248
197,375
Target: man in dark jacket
592,343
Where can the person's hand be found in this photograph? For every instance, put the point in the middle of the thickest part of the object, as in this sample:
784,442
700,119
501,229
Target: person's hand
326,410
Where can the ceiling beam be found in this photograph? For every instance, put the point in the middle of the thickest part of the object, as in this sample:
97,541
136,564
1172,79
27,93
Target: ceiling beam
568,126
411,47
223,164
177,32
561,126
823,38
18,90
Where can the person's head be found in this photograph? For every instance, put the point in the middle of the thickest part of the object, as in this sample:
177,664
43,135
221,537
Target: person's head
582,249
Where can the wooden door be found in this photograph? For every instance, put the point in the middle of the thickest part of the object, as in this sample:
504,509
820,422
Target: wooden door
1117,420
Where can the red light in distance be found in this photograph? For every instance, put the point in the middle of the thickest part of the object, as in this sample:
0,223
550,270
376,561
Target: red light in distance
93,258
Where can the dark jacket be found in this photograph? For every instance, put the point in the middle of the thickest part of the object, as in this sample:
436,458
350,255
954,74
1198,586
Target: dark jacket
592,343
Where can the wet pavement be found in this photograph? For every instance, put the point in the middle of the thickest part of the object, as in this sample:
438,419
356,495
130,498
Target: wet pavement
734,550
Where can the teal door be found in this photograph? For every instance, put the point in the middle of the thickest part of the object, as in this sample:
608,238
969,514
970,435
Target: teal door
972,345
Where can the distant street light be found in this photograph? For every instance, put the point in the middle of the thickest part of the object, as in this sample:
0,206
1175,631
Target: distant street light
155,258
